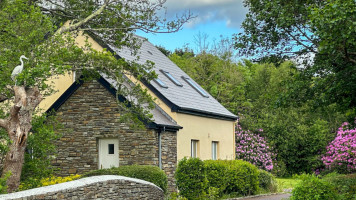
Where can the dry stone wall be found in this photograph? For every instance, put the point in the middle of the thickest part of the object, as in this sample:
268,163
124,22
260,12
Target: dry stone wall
96,187
92,113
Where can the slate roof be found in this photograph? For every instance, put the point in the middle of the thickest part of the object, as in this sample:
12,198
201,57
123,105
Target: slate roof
183,99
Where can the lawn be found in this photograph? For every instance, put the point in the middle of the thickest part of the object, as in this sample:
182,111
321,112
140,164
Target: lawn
286,183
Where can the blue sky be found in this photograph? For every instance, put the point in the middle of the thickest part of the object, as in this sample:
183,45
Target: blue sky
215,18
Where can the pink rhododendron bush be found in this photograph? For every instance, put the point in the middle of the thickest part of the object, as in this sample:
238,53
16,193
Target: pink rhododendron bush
253,148
341,152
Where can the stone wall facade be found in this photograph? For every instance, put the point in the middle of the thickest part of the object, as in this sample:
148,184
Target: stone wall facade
92,113
97,187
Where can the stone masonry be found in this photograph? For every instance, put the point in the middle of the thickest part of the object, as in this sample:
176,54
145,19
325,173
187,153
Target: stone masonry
91,113
96,187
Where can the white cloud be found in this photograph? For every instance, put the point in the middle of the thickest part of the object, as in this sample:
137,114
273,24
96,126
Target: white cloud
231,11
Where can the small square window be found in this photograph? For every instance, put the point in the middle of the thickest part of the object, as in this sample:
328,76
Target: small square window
111,148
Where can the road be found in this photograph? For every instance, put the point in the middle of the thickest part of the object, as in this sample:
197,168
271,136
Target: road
267,197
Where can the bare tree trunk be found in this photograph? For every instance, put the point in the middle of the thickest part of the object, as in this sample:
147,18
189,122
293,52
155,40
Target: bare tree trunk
18,125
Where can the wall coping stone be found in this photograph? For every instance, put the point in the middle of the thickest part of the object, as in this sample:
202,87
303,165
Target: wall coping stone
72,185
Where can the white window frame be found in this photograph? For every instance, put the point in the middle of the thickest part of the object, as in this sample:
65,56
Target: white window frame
194,148
214,150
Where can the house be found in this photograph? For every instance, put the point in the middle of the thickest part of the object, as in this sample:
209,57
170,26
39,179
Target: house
188,121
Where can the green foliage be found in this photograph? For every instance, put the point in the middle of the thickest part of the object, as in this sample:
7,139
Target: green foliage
279,168
297,131
345,185
51,180
191,178
243,177
145,172
267,181
217,176
3,186
222,78
324,29
198,179
287,183
311,187
40,149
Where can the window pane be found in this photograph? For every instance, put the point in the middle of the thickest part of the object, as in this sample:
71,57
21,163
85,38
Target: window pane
175,81
111,149
194,148
196,87
214,150
161,83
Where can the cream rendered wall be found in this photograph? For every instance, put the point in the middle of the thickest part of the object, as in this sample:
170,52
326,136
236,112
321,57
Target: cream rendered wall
60,84
206,130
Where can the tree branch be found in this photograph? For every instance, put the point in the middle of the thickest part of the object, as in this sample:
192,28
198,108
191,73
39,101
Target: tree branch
3,98
299,42
4,123
75,26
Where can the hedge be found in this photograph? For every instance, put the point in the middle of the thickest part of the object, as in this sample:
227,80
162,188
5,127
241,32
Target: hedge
191,178
148,173
267,181
196,179
312,187
345,185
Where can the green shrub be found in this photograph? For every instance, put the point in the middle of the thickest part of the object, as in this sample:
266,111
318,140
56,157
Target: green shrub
145,172
40,148
211,179
3,185
267,181
217,175
243,177
345,185
191,178
311,187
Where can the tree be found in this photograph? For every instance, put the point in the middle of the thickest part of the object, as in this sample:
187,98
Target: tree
320,31
222,78
29,28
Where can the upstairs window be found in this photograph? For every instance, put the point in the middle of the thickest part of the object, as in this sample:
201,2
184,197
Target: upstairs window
194,148
161,83
195,86
214,150
175,81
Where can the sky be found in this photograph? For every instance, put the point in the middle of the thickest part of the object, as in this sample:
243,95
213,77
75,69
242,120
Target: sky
214,18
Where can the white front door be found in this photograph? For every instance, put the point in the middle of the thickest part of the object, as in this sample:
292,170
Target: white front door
108,153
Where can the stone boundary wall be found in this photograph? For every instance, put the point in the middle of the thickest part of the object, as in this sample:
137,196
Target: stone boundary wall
96,187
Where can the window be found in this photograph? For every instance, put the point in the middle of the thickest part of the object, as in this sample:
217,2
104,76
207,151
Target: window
194,149
214,150
175,81
161,83
111,148
196,87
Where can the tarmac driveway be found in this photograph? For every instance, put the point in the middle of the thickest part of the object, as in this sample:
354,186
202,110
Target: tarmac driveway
267,197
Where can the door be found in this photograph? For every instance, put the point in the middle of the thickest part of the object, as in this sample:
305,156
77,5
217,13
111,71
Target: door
108,153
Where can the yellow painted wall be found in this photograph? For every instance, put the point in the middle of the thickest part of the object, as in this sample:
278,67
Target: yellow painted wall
206,130
60,84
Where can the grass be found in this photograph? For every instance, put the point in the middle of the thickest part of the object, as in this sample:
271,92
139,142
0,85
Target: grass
286,183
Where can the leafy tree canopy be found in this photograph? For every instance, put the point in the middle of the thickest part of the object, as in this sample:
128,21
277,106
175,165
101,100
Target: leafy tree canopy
323,32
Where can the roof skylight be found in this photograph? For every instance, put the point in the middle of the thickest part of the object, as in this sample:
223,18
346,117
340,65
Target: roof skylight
175,81
161,83
195,86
